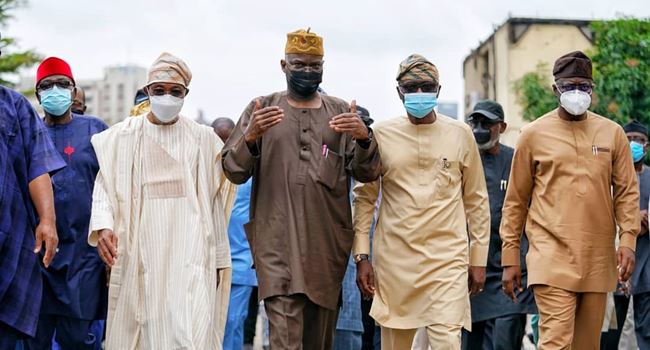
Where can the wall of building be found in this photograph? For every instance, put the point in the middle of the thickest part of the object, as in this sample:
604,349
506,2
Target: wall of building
540,43
117,91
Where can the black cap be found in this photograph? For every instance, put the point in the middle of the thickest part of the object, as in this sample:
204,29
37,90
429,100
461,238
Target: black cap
365,115
635,126
140,96
489,109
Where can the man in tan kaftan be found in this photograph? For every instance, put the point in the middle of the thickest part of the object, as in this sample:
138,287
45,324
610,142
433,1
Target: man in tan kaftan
572,182
158,221
432,185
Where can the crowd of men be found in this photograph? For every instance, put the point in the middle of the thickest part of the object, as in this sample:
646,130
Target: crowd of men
157,232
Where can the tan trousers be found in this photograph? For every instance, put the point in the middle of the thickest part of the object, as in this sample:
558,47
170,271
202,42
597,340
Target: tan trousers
296,323
569,320
441,337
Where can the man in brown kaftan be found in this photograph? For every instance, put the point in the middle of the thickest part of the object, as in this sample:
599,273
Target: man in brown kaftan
301,148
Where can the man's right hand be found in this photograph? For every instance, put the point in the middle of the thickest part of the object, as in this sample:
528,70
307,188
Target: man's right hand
511,280
262,120
107,246
366,279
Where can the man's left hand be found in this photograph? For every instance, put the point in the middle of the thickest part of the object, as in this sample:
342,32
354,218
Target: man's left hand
476,279
46,233
350,123
625,266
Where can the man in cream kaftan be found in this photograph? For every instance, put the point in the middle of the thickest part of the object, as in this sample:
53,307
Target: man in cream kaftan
432,186
159,190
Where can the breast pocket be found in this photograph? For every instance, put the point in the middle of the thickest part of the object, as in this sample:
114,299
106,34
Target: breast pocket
448,180
602,159
330,170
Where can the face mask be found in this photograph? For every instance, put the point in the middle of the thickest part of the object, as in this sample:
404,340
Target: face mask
56,101
166,107
420,104
78,111
637,151
575,102
303,84
481,135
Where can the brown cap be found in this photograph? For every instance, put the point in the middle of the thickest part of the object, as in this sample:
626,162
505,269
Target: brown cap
573,65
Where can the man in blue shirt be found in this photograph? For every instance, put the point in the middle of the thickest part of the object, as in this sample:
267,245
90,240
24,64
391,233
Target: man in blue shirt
74,287
27,159
243,275
638,133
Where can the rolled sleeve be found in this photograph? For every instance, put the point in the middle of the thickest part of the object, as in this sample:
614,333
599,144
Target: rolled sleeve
237,159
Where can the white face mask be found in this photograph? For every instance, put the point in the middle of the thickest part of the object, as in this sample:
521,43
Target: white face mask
575,102
166,107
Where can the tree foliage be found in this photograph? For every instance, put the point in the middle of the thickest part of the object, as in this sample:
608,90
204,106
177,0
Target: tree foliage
534,94
621,61
12,60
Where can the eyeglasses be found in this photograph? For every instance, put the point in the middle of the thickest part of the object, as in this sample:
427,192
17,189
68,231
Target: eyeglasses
175,91
316,66
638,139
413,88
584,87
61,84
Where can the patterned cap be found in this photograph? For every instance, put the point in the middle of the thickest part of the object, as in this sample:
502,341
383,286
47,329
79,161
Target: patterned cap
303,42
416,67
169,69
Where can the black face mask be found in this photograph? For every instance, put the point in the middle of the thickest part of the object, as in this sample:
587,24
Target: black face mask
78,111
481,134
303,84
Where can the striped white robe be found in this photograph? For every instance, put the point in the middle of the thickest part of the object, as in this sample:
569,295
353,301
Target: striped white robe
162,191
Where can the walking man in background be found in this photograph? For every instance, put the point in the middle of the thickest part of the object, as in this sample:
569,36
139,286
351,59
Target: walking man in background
74,285
497,322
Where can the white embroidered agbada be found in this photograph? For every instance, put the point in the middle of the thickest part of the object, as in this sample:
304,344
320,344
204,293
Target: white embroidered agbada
162,191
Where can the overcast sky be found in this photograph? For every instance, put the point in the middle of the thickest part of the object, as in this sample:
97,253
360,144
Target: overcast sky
234,47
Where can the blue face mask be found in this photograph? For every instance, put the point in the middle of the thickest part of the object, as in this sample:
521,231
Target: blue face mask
56,101
420,104
637,151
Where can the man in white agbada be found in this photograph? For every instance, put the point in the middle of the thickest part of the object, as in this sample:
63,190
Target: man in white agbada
158,222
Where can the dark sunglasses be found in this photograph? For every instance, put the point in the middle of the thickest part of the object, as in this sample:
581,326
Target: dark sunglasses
413,88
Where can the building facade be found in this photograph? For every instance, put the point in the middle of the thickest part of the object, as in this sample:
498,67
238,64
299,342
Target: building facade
517,47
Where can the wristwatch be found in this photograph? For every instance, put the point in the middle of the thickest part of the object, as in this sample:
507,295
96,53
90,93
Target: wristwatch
358,257
366,143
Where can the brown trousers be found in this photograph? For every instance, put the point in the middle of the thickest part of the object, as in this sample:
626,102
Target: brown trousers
296,323
569,320
440,336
